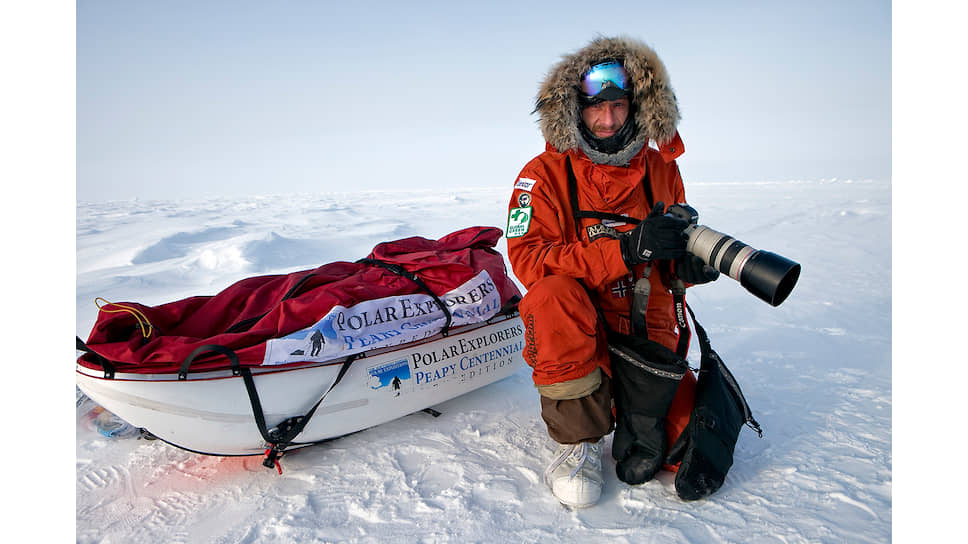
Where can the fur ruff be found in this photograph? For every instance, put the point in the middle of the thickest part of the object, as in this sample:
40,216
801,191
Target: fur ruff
657,112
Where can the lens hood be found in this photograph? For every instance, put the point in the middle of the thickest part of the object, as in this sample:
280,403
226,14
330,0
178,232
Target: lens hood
770,277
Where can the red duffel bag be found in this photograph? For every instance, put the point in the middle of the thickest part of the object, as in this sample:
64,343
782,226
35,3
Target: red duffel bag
403,291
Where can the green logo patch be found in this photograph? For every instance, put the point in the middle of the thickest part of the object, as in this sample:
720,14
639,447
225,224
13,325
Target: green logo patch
519,220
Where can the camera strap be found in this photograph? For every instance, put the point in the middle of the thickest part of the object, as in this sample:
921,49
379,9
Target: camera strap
640,302
685,333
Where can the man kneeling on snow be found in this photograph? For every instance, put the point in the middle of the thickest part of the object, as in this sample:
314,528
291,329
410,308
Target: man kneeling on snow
585,221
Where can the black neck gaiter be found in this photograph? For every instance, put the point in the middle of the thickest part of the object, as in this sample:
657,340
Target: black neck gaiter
615,142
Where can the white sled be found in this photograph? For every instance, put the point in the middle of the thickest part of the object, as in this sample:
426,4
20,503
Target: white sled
212,413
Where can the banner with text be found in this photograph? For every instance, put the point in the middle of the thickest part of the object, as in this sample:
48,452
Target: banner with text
385,322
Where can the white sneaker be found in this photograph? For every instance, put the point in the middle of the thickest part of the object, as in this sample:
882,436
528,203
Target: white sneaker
575,474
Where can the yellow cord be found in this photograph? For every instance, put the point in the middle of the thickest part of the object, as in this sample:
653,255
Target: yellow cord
140,317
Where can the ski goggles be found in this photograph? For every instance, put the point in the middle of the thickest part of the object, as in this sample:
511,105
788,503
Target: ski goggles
605,75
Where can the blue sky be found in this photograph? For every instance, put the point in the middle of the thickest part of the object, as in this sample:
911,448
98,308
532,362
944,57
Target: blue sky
197,99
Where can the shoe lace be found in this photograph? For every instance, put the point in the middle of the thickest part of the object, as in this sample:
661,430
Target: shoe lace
564,451
584,452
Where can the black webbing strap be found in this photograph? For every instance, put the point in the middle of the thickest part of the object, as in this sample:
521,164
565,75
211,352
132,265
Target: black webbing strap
585,214
647,183
232,357
106,365
679,301
401,271
509,307
237,370
283,435
246,324
578,214
637,313
711,357
573,195
640,302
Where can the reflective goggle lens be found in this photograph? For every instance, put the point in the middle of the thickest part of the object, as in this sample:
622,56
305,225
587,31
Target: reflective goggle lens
601,75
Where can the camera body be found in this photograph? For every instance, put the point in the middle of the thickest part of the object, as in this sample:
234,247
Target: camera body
768,276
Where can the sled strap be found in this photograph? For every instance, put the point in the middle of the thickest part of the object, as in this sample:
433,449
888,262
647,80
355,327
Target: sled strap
283,435
401,271
288,430
232,357
106,365
509,307
237,370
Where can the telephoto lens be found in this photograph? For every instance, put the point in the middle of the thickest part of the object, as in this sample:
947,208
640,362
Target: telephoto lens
768,276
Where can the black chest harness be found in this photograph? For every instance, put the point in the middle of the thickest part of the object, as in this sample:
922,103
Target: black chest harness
591,214
640,293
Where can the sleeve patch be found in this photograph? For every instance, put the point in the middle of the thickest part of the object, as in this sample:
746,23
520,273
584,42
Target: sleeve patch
525,184
519,221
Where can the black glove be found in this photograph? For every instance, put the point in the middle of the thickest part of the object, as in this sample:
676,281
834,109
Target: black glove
657,237
692,269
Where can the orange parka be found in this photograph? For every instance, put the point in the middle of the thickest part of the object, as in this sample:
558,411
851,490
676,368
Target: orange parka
549,244
574,276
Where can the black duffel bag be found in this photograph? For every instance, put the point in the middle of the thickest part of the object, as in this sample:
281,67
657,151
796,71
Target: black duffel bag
705,447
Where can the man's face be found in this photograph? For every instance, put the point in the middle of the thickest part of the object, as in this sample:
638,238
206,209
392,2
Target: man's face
606,118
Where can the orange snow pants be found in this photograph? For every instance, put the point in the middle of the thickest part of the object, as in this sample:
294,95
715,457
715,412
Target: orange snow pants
566,347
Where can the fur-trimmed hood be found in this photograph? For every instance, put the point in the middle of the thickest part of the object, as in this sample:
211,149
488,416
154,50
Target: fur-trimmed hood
656,109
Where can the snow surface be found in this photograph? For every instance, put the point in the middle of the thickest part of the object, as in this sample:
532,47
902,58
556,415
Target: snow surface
816,372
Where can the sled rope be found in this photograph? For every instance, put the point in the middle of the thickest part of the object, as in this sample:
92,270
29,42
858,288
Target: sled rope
143,322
